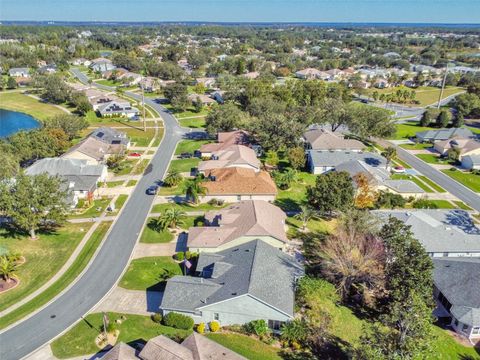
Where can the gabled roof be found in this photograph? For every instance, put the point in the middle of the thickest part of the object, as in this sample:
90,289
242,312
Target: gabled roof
465,145
205,349
444,134
323,139
163,348
335,158
474,158
238,181
225,139
458,279
64,167
245,218
257,269
91,147
120,351
233,155
440,231
110,136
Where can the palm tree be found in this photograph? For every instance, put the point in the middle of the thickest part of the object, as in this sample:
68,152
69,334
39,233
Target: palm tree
171,218
389,153
306,213
173,178
193,190
8,267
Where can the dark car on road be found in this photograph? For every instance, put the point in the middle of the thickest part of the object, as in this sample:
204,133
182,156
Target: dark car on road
152,190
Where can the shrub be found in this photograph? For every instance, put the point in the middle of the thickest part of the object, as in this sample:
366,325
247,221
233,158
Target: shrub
389,200
215,202
424,204
201,328
214,326
256,327
178,321
111,327
157,317
180,256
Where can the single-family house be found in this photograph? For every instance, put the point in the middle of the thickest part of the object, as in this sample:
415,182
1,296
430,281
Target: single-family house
323,139
224,140
118,109
321,161
236,184
381,84
48,69
130,78
208,82
443,134
101,65
457,293
471,162
443,233
204,99
111,136
19,72
232,156
465,146
248,282
311,73
194,347
237,224
150,84
81,178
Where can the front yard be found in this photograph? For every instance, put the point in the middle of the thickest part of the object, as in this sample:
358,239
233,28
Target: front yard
467,179
189,146
408,130
247,346
184,165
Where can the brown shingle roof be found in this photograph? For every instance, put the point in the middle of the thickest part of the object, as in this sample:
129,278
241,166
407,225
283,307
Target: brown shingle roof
121,351
206,349
234,155
225,139
163,348
322,139
245,218
238,181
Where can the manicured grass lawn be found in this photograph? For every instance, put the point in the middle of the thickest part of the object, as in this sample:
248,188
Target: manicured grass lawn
446,348
66,279
250,348
172,190
80,340
132,182
417,146
401,163
468,179
292,198
44,257
120,201
188,113
151,236
138,136
414,179
433,185
141,166
111,184
442,204
186,207
189,146
127,166
314,225
433,159
146,273
95,210
408,130
184,165
426,95
16,101
107,82
462,205
194,123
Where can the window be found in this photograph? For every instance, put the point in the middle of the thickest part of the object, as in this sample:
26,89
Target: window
476,330
216,316
464,327
239,197
456,323
275,324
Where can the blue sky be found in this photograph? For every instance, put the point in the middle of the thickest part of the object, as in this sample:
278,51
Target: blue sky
430,11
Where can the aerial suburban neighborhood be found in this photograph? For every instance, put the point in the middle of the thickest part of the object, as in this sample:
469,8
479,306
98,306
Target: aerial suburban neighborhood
239,191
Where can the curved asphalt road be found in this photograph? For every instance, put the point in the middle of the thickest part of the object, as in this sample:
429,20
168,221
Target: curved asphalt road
106,268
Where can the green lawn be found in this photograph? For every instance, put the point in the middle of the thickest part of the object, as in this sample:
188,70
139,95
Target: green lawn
314,225
188,113
408,130
120,201
462,205
184,165
291,199
44,257
66,279
433,159
186,207
152,236
189,146
194,123
417,146
80,340
111,184
132,182
141,166
442,204
401,163
426,95
446,348
126,167
432,184
172,190
97,208
468,179
16,101
107,82
138,136
250,348
147,273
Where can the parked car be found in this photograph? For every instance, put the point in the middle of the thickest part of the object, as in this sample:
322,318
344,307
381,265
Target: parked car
398,169
135,154
152,190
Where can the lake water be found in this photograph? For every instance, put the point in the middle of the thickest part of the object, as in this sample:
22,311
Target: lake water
13,121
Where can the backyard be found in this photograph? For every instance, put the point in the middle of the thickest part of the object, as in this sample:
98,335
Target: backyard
17,101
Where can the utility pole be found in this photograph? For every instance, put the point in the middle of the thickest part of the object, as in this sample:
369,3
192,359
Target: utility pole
443,86
143,105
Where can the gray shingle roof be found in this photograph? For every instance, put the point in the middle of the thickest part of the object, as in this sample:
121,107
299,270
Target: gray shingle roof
335,158
110,136
443,134
404,186
459,280
256,268
440,231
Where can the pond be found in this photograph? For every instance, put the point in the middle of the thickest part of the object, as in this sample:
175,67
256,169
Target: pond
14,121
